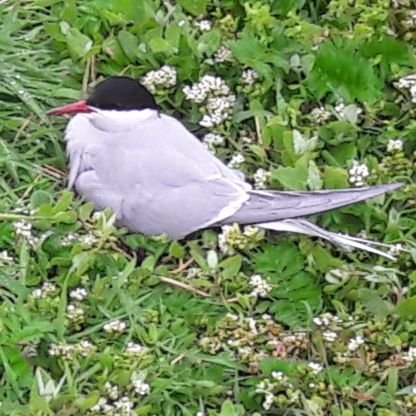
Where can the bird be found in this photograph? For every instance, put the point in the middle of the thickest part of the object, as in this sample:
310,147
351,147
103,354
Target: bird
158,178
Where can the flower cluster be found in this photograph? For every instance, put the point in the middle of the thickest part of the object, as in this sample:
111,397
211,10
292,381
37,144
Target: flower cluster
140,386
261,178
320,115
394,146
45,291
69,351
408,83
232,238
24,229
249,77
165,77
203,25
78,294
115,327
236,161
5,257
223,54
260,287
75,315
355,343
216,96
134,349
329,325
358,172
211,140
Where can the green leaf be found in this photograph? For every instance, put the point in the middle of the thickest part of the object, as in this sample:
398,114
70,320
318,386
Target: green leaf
78,44
209,42
292,178
40,197
177,250
374,303
335,178
407,308
195,7
129,44
159,45
231,266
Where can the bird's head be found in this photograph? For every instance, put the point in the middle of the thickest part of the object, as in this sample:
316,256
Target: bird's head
116,93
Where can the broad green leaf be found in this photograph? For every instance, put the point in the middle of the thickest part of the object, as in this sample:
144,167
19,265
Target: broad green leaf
292,178
407,308
129,43
78,43
231,266
335,178
195,7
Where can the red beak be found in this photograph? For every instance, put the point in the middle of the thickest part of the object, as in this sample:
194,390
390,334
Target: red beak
73,108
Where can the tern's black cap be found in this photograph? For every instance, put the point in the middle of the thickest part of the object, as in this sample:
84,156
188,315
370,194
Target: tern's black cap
121,93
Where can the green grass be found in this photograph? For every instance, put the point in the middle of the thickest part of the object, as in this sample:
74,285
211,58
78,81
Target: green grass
208,346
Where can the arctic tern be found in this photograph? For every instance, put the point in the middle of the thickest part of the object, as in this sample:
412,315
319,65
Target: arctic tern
158,178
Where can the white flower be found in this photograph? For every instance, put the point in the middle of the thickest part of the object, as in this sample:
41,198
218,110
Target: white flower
165,77
78,294
410,21
112,391
139,385
43,292
260,286
115,326
358,172
5,257
320,114
278,375
212,139
74,313
125,405
394,146
261,178
88,239
84,348
354,343
214,92
249,77
203,25
410,355
236,160
329,336
69,238
24,229
408,82
223,54
268,401
315,367
134,349
200,413
100,405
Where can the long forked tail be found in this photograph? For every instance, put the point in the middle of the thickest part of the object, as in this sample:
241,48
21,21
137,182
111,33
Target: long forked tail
302,226
268,206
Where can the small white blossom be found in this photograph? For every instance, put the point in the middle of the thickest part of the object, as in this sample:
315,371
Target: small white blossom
214,92
203,25
410,355
409,83
124,405
394,146
347,113
78,294
43,292
101,405
249,77
278,375
320,114
260,286
68,351
24,229
115,326
358,172
236,161
315,367
212,139
74,313
112,391
85,348
261,178
134,349
165,77
268,401
223,54
140,386
329,336
410,21
200,413
88,239
355,343
5,257
69,239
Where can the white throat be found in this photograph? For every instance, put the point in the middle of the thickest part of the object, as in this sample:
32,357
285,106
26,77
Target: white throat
116,121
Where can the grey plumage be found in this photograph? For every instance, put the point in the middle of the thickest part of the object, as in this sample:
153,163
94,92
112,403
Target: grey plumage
158,178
